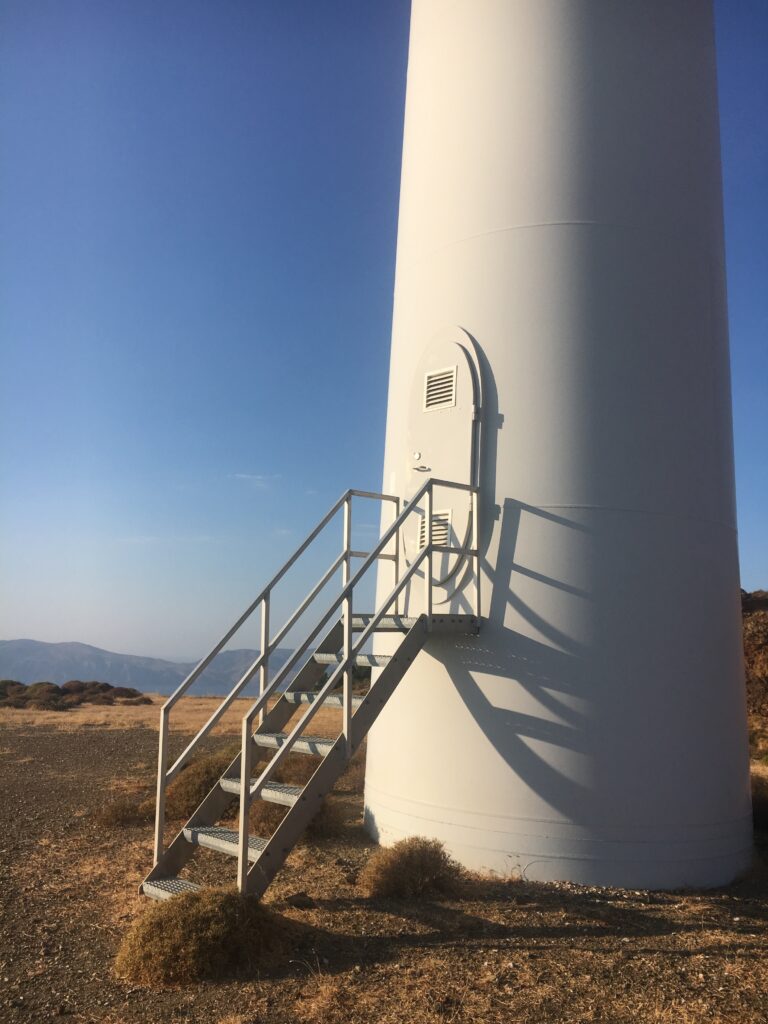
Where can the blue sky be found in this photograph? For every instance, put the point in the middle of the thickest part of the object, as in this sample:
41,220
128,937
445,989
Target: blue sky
198,207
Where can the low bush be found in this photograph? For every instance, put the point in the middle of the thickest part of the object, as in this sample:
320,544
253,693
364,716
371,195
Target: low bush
296,769
42,691
133,702
353,779
265,817
50,697
412,867
125,810
328,823
13,702
207,935
194,782
760,800
98,698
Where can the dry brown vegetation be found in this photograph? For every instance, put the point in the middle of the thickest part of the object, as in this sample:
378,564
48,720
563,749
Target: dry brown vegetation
125,810
754,608
210,934
410,869
51,697
494,951
195,781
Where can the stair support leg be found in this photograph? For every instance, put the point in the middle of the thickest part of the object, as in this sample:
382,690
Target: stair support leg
246,770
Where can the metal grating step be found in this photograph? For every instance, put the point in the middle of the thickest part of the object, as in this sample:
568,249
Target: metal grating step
333,700
304,745
387,624
362,660
274,792
164,888
223,840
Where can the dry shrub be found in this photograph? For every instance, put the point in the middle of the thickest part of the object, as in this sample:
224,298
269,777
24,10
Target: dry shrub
760,800
755,629
125,691
133,702
125,810
73,686
412,867
296,769
44,704
328,823
265,817
207,935
43,691
193,783
353,779
9,688
98,698
13,702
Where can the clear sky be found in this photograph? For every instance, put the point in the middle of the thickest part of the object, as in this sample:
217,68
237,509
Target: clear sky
198,206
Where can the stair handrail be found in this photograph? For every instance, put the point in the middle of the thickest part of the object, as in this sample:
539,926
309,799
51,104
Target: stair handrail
165,775
250,790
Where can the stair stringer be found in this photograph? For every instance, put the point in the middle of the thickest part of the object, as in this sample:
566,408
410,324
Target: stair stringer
180,850
334,763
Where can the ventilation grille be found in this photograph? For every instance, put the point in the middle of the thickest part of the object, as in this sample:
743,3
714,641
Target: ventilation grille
440,389
441,530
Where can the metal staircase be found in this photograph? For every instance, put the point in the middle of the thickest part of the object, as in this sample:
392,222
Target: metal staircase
336,641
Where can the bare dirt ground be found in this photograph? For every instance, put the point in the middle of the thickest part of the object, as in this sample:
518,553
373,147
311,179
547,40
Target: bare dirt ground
504,952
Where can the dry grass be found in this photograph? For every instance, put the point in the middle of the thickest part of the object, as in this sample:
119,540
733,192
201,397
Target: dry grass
411,868
193,783
760,796
297,769
125,810
207,935
328,823
755,632
188,715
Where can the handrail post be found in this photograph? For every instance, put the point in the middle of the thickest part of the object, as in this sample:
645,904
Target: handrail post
264,670
246,770
428,559
347,693
347,616
476,546
396,562
162,757
346,565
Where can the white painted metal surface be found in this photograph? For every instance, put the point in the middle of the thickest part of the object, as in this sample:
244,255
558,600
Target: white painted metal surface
330,641
561,202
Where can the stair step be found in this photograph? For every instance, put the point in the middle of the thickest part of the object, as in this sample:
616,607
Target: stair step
223,840
304,745
164,888
362,660
333,700
387,623
274,792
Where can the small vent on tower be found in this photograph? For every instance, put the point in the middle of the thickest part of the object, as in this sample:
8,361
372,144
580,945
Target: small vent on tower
441,530
440,389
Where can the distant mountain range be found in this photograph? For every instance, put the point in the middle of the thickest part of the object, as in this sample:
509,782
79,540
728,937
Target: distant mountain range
31,661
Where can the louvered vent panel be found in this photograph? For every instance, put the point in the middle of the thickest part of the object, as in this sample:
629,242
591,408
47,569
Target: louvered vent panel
440,389
441,529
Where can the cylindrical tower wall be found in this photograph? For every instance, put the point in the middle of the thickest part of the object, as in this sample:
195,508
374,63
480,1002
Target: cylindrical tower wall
561,202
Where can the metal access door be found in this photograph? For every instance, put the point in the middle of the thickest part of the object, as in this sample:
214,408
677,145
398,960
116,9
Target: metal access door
444,443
